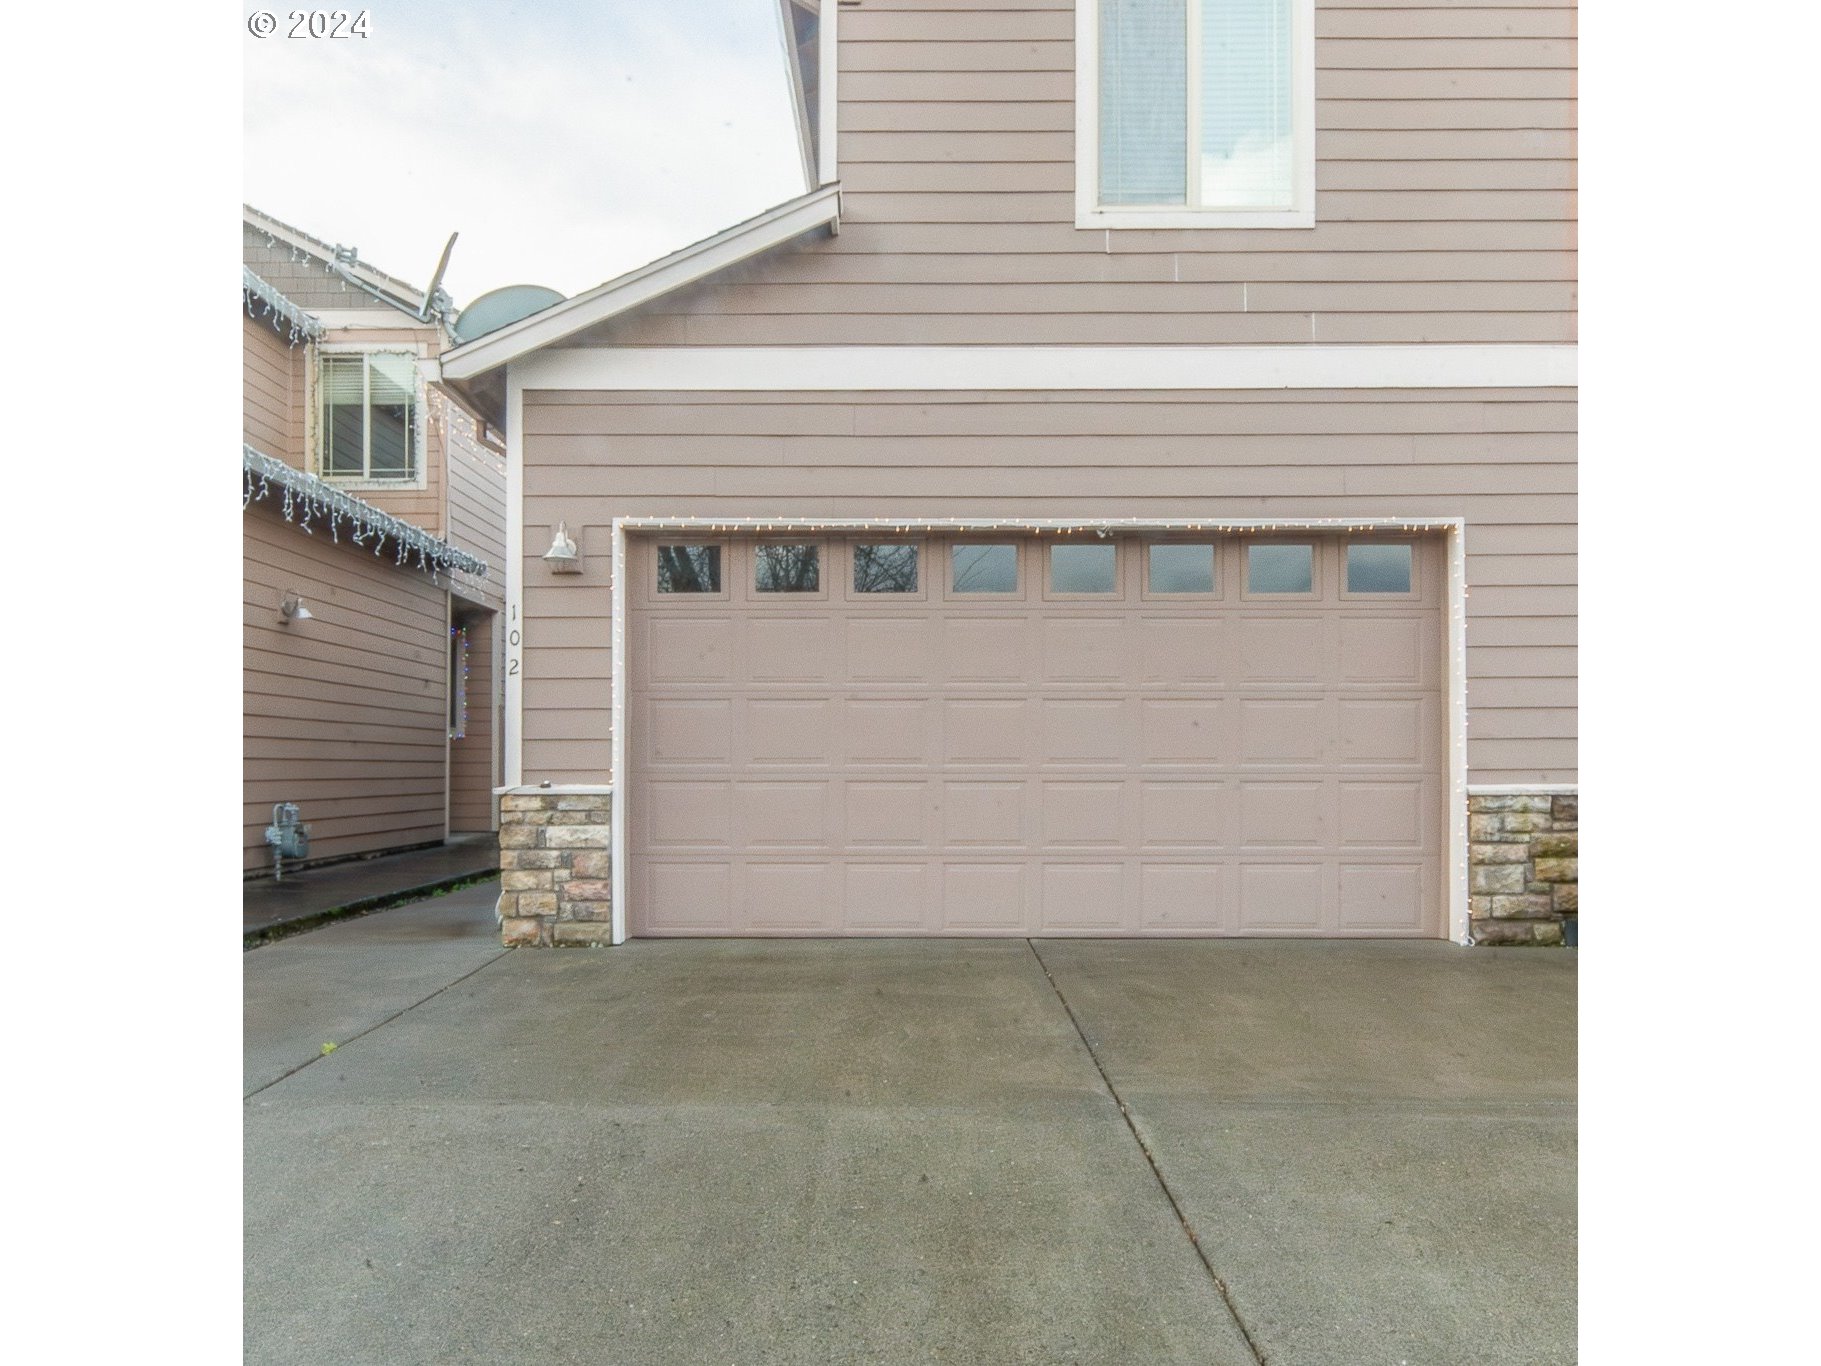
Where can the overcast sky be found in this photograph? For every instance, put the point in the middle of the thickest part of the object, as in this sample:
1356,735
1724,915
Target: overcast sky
567,140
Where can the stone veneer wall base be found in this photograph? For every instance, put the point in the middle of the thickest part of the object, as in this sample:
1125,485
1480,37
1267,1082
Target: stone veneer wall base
1523,865
556,862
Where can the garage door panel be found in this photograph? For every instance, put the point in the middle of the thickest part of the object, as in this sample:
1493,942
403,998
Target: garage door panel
783,896
888,898
685,897
895,649
1182,815
1084,649
1275,650
1086,731
1194,763
1385,814
980,730
1383,651
695,650
788,649
1282,897
888,732
976,813
1384,731
1183,732
1082,898
887,815
1382,896
1283,814
689,813
1179,649
684,731
1182,898
1283,731
984,897
1079,813
795,732
986,649
779,815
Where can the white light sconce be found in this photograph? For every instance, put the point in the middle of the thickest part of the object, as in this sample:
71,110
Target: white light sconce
563,557
292,609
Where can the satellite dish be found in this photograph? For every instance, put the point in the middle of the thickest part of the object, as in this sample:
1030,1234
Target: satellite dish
500,307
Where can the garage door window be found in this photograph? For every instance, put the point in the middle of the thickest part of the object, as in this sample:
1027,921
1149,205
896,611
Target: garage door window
885,568
787,569
1180,568
983,569
1084,569
1280,569
1378,568
689,569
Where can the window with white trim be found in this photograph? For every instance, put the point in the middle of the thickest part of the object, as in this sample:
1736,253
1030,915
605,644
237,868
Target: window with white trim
367,416
1195,113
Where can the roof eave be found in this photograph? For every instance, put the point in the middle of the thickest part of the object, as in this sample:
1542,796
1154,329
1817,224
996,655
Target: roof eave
817,209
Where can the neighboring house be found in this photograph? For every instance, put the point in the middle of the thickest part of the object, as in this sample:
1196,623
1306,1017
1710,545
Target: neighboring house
1132,493
378,504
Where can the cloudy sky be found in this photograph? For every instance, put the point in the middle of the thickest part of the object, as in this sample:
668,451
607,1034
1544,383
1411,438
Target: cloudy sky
567,140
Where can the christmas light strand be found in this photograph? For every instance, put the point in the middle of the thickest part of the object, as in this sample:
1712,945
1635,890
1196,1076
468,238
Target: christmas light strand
307,497
299,325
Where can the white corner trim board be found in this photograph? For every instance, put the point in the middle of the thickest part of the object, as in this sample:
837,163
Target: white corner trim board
1459,928
1420,366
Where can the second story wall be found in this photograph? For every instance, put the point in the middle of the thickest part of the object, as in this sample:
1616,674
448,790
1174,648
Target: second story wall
1444,204
272,391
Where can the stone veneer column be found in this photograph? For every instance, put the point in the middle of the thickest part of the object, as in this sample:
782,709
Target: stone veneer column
556,865
1523,865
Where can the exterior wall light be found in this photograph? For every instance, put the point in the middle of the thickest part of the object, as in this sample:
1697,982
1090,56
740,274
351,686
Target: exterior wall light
563,557
292,608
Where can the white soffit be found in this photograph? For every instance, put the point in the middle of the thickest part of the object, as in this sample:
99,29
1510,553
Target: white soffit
819,208
1301,366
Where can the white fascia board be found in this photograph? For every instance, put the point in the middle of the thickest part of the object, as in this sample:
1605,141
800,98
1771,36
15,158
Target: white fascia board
828,114
819,208
1301,366
793,77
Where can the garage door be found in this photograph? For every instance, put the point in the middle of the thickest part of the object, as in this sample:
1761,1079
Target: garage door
1015,735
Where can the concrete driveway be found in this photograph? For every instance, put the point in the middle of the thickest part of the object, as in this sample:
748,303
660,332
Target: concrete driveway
904,1151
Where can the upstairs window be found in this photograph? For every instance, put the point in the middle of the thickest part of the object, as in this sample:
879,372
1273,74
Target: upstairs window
367,416
1196,113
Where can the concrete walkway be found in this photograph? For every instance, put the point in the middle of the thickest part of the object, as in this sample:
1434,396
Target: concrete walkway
318,895
894,1151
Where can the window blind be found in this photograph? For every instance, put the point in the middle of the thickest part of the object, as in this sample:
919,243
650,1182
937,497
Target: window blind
1144,69
1247,148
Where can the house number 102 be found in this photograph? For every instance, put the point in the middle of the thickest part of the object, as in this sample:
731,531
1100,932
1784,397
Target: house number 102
513,640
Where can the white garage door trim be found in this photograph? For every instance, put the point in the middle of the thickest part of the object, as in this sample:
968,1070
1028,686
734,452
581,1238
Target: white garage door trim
1456,629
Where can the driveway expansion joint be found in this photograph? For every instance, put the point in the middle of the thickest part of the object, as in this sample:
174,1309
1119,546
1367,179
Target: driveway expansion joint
379,1024
1182,1218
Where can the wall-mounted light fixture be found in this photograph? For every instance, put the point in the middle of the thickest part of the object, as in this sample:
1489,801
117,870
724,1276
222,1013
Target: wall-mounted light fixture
563,557
292,608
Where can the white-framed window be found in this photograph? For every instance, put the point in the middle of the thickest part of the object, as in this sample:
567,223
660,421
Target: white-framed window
368,416
1195,114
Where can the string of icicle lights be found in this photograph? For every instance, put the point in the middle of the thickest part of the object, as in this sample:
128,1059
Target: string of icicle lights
308,499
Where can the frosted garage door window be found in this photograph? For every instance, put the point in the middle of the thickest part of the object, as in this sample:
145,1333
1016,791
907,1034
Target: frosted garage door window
983,569
1378,569
1181,568
1280,569
1083,568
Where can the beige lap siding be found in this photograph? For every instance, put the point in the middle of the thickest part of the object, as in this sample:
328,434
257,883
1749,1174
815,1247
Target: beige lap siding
1502,459
472,774
1445,198
272,387
345,714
